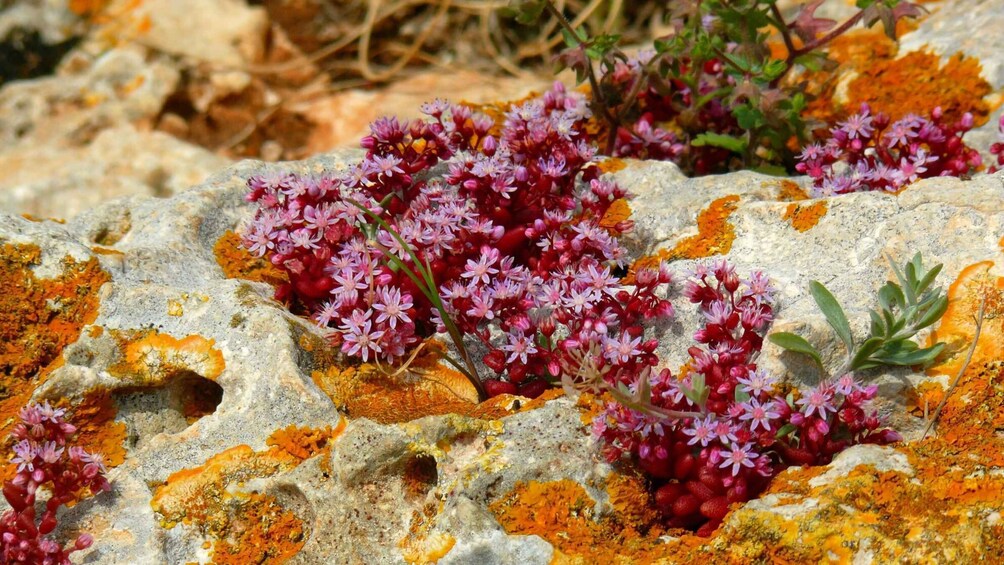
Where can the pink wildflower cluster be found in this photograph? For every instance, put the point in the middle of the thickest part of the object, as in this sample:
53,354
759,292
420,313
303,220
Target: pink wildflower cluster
867,152
997,148
511,231
43,458
734,432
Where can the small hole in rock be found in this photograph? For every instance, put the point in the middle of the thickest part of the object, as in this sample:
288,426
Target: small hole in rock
420,475
170,408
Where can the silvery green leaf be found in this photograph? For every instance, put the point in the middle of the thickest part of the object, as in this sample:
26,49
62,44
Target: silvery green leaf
795,343
833,312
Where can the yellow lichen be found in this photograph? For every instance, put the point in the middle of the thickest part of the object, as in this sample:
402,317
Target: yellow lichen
305,442
804,217
562,513
261,532
246,527
714,237
789,191
619,211
612,165
424,388
239,263
38,318
152,358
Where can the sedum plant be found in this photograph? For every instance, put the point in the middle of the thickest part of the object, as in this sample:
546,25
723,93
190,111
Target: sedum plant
723,427
905,308
867,152
997,149
512,242
45,462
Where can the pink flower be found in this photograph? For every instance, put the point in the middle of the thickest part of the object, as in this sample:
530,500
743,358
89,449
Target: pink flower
758,414
363,341
701,431
482,268
739,457
819,400
393,306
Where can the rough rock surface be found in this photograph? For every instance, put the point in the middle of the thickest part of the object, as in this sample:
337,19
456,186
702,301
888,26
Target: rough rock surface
208,397
81,137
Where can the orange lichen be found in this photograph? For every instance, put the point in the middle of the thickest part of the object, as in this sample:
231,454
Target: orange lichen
305,442
917,82
198,495
97,430
239,263
563,513
790,191
98,250
619,211
247,527
425,387
804,217
957,325
422,545
261,532
925,398
32,218
714,237
611,165
853,51
38,318
153,358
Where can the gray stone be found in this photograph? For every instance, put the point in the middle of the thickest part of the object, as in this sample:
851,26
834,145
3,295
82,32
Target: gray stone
355,502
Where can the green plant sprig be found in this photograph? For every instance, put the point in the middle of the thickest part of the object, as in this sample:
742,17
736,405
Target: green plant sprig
421,275
904,309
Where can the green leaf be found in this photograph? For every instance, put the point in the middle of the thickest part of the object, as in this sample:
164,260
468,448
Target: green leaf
741,395
698,392
870,346
601,45
936,311
785,430
906,357
812,61
907,288
914,268
571,39
748,117
833,312
878,325
928,278
731,143
795,343
773,69
890,295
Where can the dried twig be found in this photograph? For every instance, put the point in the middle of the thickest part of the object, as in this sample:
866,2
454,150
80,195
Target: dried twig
962,370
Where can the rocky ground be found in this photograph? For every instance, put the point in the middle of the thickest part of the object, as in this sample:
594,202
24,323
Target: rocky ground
235,434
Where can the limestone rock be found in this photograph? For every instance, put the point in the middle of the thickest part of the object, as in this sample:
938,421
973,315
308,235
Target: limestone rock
81,137
210,396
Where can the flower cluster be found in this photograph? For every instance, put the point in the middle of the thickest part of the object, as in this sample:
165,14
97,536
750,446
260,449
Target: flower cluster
515,232
43,458
731,431
867,152
997,148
